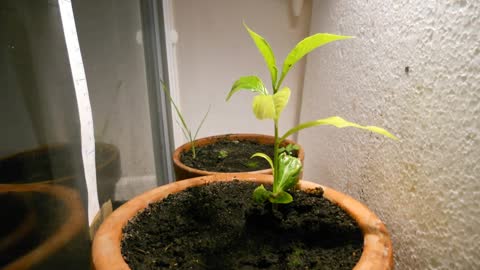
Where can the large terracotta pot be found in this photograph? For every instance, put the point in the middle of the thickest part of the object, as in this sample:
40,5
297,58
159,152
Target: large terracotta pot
72,227
58,164
182,171
17,223
106,254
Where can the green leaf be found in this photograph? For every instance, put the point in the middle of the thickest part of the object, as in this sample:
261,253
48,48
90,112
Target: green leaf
289,148
263,107
260,194
280,99
293,147
339,123
306,46
251,83
270,106
289,169
266,157
185,129
266,51
201,123
281,197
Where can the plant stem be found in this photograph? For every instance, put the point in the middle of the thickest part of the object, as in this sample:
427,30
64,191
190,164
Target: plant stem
275,155
279,83
194,153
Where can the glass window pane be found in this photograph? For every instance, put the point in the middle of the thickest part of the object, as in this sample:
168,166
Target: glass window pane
42,186
110,35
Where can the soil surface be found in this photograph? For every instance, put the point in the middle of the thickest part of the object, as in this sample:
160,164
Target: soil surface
229,156
218,226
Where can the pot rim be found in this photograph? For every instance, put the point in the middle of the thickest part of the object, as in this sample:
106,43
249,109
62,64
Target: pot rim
25,226
377,251
211,139
70,227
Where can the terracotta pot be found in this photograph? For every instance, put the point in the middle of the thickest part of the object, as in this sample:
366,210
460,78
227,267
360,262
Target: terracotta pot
18,224
56,164
182,171
106,254
73,224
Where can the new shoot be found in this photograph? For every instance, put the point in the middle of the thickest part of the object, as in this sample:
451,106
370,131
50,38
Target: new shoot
191,137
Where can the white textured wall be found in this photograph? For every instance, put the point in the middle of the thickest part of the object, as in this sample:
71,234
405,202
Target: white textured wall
214,50
426,186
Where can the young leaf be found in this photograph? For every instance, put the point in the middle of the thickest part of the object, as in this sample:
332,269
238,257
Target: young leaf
281,197
270,106
289,149
251,83
266,51
339,123
201,123
260,194
293,147
222,154
184,125
289,169
306,46
266,157
280,99
263,107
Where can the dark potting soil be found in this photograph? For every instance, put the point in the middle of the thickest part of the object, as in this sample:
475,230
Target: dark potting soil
229,156
218,226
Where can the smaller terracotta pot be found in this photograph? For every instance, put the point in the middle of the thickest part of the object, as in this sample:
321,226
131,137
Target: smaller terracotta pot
72,226
106,251
182,171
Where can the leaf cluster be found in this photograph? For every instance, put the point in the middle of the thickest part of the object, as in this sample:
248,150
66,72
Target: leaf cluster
266,105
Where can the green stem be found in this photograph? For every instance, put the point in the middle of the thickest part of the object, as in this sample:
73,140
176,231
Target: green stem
194,153
275,155
192,142
280,82
275,88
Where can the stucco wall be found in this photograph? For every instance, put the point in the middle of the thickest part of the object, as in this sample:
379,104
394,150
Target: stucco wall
214,50
425,186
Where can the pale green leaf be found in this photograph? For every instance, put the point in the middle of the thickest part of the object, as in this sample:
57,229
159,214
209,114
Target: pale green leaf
260,194
266,51
263,107
289,169
306,46
280,99
266,157
270,106
281,197
339,123
250,83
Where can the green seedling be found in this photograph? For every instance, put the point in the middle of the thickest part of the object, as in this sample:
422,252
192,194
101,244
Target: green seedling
191,137
286,168
289,149
252,164
223,154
